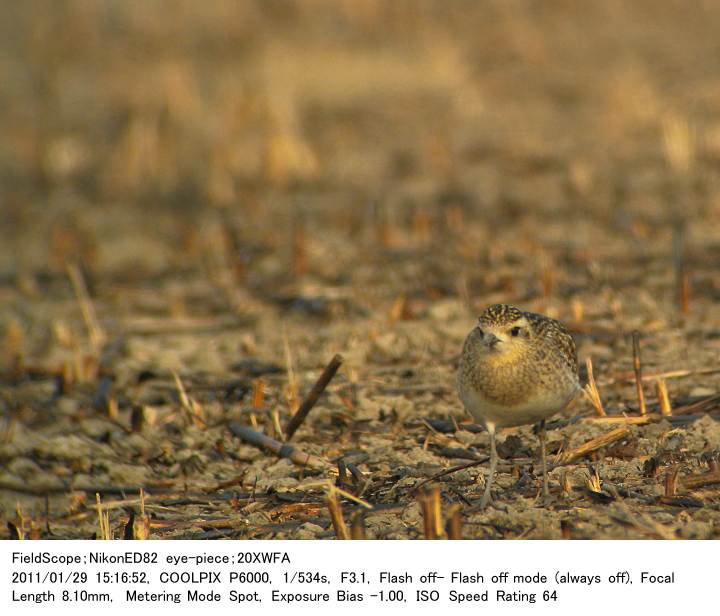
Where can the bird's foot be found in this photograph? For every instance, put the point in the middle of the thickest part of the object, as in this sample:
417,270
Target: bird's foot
546,499
486,500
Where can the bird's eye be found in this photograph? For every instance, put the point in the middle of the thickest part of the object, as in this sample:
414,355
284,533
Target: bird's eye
515,331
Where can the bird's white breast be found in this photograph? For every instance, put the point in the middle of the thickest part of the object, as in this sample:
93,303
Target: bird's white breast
528,412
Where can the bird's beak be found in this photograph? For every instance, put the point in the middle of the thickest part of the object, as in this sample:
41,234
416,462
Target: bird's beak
490,340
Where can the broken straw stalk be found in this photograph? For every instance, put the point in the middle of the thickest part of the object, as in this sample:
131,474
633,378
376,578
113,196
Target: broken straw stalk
637,366
284,450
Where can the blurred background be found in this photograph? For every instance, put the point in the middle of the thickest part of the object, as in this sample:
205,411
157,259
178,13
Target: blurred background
348,166
125,121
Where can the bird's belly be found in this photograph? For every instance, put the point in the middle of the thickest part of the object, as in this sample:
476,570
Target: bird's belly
505,416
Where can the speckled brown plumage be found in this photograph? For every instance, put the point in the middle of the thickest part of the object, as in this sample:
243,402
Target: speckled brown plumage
540,368
516,368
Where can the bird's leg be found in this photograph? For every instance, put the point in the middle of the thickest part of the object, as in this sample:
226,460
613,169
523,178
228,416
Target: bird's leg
487,498
543,457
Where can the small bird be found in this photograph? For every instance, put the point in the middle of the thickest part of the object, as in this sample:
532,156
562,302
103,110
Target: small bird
516,368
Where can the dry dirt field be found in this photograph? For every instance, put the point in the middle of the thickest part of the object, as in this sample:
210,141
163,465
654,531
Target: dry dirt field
202,203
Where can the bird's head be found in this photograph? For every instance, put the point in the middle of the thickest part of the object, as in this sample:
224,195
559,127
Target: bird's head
503,332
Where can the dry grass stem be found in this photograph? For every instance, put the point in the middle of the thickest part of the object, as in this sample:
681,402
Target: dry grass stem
566,529
577,309
593,481
448,471
258,399
453,527
352,497
95,332
432,514
103,520
336,515
698,481
663,398
641,522
565,484
357,526
671,481
282,450
637,367
698,406
275,418
299,248
591,390
9,431
327,484
112,409
20,526
291,391
623,419
670,374
315,393
592,445
679,141
436,512
192,411
141,524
